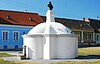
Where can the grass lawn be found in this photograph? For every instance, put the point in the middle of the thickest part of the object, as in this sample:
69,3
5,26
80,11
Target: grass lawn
28,63
5,62
79,62
89,51
5,55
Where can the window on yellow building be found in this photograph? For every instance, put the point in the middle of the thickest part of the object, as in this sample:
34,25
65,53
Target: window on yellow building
97,37
88,36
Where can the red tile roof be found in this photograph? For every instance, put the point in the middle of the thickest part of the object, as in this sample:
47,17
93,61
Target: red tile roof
19,18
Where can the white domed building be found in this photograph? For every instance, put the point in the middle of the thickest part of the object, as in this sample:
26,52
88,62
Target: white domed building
50,40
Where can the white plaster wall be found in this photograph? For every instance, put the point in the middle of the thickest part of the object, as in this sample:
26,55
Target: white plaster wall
50,16
31,49
66,47
50,47
39,48
34,47
76,46
46,51
53,47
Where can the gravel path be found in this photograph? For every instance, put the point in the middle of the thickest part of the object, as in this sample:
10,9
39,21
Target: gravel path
16,59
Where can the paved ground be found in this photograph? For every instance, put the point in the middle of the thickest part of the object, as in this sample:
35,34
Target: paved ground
17,59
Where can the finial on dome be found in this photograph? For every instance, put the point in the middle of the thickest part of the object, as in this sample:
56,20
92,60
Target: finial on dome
50,6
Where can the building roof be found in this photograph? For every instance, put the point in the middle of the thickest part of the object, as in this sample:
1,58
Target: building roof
95,24
73,24
19,18
50,28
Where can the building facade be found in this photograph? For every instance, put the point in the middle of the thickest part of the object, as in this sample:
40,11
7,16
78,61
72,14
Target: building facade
96,25
13,25
10,36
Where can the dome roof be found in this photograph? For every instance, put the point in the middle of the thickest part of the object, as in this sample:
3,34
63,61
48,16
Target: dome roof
52,27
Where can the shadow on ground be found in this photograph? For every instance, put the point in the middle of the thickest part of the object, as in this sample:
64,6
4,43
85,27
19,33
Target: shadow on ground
86,46
89,57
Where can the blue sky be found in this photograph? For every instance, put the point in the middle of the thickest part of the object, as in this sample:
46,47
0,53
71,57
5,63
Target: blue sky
73,9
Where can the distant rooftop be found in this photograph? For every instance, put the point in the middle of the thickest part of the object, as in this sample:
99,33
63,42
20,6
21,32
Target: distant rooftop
19,18
72,23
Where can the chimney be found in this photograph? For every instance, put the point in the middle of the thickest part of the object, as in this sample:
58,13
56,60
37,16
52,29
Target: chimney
25,10
86,20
